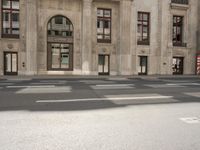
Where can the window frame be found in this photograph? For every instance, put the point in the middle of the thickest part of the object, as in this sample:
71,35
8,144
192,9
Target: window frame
11,10
104,19
51,22
144,42
49,57
181,26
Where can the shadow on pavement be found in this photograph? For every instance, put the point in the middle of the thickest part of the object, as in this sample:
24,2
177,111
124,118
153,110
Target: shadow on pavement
31,105
12,102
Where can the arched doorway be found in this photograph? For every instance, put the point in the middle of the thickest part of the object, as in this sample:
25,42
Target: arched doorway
60,44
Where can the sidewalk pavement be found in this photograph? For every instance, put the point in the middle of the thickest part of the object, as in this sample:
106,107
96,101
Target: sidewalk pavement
23,77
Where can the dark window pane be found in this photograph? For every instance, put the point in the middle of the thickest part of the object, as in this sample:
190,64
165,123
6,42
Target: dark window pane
6,4
98,24
104,24
15,4
6,30
6,16
145,17
99,12
15,17
143,28
58,20
107,13
177,29
15,30
10,17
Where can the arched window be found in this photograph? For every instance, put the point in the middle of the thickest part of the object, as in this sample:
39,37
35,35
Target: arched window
60,44
60,26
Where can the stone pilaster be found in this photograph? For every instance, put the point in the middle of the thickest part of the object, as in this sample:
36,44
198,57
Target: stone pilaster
125,38
198,33
1,52
1,61
86,36
31,37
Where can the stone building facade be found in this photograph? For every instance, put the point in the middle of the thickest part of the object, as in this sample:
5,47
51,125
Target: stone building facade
94,37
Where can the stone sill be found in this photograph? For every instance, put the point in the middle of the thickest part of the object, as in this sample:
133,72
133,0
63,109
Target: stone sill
104,44
10,39
143,46
180,6
180,48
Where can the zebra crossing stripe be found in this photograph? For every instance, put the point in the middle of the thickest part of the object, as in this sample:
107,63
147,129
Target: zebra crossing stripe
105,99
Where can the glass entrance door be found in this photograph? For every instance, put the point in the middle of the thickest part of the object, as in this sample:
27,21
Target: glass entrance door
177,65
55,56
10,63
60,56
104,65
142,69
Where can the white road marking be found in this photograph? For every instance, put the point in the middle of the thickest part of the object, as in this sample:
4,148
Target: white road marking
190,120
31,90
178,81
134,95
41,86
41,83
112,86
164,85
195,94
105,99
53,81
175,84
3,84
18,80
118,79
105,85
96,82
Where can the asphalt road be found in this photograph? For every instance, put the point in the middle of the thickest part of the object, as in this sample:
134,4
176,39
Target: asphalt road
100,114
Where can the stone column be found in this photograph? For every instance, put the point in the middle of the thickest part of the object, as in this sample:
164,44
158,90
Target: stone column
1,52
31,37
86,36
1,61
125,53
198,32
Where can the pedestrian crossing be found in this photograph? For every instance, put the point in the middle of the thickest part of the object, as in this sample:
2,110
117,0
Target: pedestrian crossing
96,82
194,94
118,79
31,86
67,86
164,86
112,86
44,90
172,85
6,84
111,98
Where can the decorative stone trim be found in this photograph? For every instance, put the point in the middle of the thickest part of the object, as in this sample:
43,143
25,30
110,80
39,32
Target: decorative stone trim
179,6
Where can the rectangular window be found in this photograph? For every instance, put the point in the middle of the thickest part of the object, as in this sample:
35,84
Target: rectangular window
10,18
185,2
104,25
178,31
143,30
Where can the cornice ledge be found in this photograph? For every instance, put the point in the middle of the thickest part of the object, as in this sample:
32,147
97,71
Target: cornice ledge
179,6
